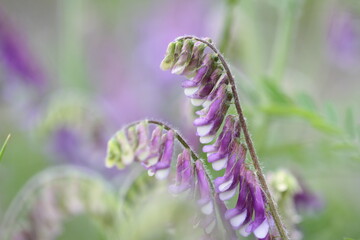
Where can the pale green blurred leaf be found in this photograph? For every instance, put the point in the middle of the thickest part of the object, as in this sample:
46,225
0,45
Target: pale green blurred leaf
4,146
313,118
306,101
331,113
275,93
350,123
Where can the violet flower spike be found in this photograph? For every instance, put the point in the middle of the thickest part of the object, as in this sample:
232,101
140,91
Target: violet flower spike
209,87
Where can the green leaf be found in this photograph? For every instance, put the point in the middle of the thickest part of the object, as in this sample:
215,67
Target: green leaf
316,120
306,101
4,146
350,123
331,113
275,93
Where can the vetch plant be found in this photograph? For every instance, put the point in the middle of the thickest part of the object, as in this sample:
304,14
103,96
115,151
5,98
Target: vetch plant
210,86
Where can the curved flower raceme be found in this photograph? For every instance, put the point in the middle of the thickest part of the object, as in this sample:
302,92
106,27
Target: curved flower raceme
207,84
208,87
134,144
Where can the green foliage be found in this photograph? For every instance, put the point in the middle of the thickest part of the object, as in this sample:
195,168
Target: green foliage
65,192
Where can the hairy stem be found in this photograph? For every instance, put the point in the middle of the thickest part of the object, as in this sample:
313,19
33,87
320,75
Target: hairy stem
272,206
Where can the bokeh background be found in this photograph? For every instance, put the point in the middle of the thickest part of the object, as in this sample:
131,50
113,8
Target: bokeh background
72,72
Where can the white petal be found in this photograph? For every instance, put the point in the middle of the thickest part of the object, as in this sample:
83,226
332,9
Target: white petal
197,102
143,155
151,161
207,209
220,164
243,232
225,186
178,69
239,219
190,90
207,139
151,173
127,160
227,195
162,173
109,164
262,230
204,130
210,227
206,103
209,153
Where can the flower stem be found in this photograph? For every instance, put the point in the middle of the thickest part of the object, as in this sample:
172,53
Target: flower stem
272,206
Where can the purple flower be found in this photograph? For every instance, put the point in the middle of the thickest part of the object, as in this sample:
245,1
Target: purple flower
152,156
307,200
218,153
226,185
162,168
132,144
184,173
249,214
16,55
207,84
344,39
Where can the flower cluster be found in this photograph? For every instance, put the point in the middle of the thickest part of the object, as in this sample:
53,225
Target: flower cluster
134,144
207,86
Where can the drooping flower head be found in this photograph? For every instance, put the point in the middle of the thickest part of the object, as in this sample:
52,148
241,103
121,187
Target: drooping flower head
207,86
134,144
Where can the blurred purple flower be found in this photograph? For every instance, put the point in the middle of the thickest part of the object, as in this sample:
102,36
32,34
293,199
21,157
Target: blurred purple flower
15,55
344,39
66,144
306,200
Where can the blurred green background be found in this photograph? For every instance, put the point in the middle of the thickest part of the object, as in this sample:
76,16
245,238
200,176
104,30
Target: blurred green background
296,62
